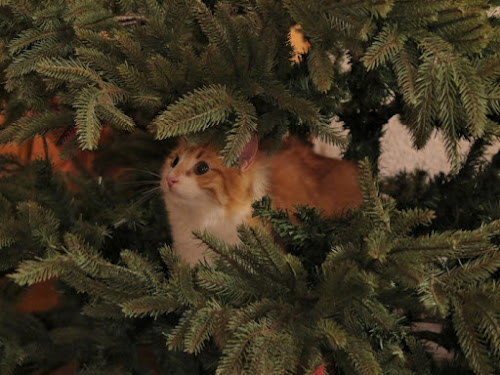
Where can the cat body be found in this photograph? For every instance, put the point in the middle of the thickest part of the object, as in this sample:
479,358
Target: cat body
201,193
298,176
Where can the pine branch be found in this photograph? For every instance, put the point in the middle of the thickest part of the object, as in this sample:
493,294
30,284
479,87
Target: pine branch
307,16
143,267
98,40
475,270
31,36
381,8
91,262
69,70
493,98
421,114
109,290
30,126
13,356
103,311
134,79
268,254
333,332
27,62
114,116
181,282
237,348
407,220
42,224
405,65
362,357
482,304
166,74
453,243
235,288
422,13
204,323
241,132
87,14
175,338
169,257
203,108
378,244
305,111
214,31
321,68
31,272
386,45
276,354
152,306
470,341
255,311
472,94
329,134
372,204
447,114
488,67
468,29
88,124
442,62
131,48
226,253
99,60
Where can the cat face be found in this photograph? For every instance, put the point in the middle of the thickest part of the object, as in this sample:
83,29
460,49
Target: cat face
194,175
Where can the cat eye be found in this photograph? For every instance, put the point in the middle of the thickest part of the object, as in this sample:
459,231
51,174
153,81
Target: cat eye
201,168
175,161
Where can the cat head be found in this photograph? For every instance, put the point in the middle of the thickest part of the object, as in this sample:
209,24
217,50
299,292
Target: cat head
196,176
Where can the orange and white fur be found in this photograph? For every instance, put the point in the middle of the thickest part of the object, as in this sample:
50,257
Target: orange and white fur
200,192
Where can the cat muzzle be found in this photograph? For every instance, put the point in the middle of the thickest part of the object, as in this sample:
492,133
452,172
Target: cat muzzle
171,181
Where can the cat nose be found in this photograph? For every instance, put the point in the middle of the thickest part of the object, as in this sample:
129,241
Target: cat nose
171,181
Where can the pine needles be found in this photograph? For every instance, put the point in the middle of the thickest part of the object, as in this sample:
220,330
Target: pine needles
345,293
432,60
265,309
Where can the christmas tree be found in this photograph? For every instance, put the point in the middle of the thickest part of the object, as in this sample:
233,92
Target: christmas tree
355,295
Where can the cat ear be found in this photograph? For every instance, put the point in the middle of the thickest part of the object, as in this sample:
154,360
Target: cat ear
248,153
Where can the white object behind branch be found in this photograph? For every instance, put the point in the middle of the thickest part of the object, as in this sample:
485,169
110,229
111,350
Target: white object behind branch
398,154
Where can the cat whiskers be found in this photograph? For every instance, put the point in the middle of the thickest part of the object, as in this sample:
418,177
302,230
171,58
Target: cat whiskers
146,171
142,183
146,195
149,192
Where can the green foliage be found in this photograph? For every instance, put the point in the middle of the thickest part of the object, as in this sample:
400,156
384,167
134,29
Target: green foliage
42,220
348,293
453,198
274,312
181,67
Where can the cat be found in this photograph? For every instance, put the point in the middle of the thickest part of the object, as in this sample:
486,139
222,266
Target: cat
200,192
